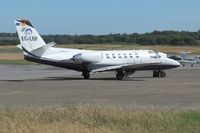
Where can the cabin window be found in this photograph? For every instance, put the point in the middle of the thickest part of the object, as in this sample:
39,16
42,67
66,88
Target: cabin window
125,56
136,55
107,56
113,55
119,56
130,55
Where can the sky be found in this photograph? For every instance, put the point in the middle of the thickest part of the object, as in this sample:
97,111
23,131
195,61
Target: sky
101,16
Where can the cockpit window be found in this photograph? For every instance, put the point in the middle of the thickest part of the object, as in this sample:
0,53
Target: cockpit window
155,57
154,54
151,52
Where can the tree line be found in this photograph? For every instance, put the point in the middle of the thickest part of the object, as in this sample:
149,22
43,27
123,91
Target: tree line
153,38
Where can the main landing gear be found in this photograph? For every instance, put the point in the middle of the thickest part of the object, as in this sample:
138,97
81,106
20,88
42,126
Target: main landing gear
86,74
159,73
120,75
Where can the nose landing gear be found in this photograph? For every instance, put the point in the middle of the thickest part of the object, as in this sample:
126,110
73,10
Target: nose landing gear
159,73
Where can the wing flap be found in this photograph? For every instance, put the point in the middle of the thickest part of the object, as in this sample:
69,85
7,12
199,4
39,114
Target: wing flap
108,68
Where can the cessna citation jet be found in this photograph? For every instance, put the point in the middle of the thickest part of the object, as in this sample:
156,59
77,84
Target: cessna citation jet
123,62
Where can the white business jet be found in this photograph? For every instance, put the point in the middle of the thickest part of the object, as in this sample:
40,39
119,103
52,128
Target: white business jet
123,62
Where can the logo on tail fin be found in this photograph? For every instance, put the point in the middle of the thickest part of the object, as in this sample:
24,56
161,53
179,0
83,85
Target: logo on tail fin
28,32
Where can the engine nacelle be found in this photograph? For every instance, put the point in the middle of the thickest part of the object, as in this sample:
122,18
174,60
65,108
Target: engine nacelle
90,57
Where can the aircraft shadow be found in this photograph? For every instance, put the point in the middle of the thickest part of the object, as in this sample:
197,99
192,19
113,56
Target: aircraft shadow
114,79
75,78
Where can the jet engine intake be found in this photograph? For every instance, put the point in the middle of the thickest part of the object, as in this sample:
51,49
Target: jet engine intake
93,57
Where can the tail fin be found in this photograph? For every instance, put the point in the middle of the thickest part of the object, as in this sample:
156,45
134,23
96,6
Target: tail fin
29,38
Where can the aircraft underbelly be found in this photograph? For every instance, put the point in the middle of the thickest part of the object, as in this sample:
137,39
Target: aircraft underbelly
149,67
156,67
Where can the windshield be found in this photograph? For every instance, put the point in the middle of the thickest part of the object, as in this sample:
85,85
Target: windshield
154,54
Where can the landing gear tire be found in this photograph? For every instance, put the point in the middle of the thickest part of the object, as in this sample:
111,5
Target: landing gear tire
159,74
119,75
155,73
162,74
86,74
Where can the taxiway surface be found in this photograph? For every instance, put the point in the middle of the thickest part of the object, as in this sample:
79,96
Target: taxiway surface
40,85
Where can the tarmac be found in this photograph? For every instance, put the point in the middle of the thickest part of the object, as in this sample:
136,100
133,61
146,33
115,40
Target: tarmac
41,85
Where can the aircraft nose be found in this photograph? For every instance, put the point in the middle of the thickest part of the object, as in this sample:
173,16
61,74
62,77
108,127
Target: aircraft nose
174,63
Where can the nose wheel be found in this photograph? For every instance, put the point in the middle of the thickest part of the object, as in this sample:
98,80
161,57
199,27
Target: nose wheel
86,74
159,73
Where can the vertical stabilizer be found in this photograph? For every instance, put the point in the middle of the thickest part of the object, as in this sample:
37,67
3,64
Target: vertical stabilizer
29,38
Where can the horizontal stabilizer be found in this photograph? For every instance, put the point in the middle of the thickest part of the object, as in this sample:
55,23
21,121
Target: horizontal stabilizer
19,46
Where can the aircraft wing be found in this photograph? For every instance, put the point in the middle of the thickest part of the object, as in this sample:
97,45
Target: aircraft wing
125,66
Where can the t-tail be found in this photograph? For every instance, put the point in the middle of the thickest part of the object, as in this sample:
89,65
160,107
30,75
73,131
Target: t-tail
29,38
